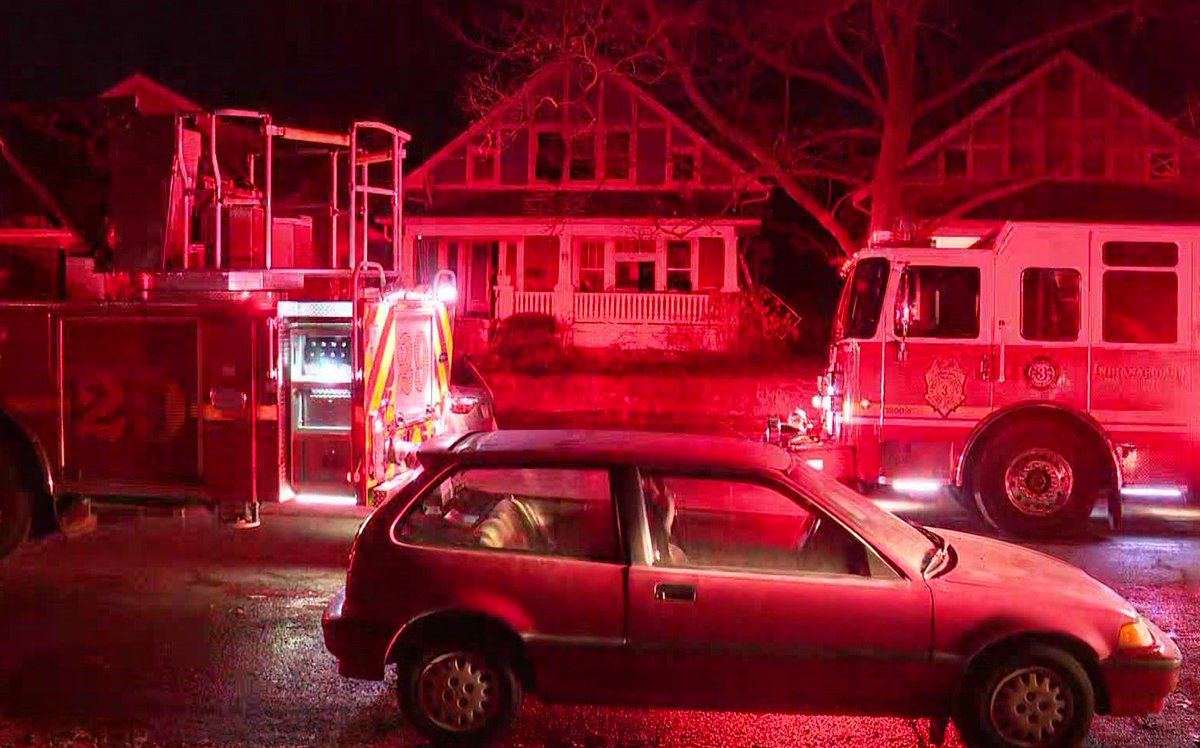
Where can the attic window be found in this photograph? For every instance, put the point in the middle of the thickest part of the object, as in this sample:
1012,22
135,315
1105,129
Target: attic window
1162,165
616,155
683,166
956,162
583,157
483,163
551,153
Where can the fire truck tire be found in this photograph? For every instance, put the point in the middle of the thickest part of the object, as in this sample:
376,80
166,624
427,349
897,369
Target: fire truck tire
16,506
1037,477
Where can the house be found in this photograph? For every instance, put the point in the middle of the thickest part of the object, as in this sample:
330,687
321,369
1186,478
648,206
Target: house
1064,142
591,203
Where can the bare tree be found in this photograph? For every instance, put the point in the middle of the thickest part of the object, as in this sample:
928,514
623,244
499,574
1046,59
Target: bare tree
822,97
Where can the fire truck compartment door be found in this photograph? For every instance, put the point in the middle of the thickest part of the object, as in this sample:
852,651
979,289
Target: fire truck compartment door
938,360
131,400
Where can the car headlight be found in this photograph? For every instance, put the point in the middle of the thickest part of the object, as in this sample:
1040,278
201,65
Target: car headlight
1135,635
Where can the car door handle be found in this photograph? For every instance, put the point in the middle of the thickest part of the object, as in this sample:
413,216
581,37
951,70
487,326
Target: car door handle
685,593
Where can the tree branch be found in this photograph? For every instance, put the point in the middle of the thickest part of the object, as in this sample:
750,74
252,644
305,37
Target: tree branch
849,133
785,67
1047,39
854,63
978,201
787,181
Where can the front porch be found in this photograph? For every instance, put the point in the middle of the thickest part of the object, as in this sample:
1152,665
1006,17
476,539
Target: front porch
639,283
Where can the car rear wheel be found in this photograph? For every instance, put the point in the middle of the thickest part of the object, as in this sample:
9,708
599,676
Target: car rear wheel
459,694
16,506
1035,478
1039,697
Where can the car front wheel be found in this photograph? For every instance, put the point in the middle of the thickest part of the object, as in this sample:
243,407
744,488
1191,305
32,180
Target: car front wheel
1038,697
459,694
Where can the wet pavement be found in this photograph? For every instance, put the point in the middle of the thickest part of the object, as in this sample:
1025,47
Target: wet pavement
168,630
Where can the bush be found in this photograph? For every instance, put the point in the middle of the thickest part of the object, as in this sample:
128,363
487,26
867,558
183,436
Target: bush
529,342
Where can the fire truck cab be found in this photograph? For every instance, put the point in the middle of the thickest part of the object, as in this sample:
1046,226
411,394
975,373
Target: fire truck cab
249,340
1047,367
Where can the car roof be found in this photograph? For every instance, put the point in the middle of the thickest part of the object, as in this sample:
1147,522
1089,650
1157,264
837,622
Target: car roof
580,446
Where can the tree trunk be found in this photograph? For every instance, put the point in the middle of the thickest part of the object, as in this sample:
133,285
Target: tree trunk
887,193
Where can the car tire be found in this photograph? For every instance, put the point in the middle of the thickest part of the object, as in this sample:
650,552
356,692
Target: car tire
16,505
1035,478
458,693
1038,697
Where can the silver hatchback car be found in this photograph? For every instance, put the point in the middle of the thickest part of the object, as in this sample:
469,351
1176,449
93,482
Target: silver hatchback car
472,405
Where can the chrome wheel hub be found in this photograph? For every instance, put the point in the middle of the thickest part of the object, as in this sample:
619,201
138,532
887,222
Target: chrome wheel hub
1030,706
1038,482
457,692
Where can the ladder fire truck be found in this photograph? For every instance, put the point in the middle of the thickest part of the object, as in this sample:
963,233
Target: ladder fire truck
247,341
1044,368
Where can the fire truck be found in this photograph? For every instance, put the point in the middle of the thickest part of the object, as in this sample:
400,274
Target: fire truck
247,340
1045,368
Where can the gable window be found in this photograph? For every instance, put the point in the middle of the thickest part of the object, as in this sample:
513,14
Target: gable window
550,157
1162,165
583,157
679,266
483,163
616,155
591,265
683,166
956,162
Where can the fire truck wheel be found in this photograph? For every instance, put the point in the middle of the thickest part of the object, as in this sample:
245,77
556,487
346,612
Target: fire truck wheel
1036,477
16,506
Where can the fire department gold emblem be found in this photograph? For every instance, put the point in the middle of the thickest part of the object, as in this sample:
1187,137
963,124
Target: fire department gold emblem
945,386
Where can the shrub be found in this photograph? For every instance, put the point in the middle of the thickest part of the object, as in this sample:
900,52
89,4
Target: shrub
529,342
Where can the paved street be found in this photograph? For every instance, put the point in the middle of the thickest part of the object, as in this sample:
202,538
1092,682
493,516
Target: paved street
168,630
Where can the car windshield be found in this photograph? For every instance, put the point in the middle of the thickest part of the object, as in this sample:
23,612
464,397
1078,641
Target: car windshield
862,299
892,535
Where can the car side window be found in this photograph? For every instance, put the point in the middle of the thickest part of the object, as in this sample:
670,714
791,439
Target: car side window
545,511
728,524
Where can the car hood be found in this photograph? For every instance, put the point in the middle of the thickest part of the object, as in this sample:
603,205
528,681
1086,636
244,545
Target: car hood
995,564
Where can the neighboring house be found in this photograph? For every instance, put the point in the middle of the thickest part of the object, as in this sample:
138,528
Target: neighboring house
599,207
1065,143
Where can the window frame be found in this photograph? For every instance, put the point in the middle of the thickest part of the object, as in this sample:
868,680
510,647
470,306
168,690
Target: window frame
435,479
1081,296
1180,271
981,301
781,486
690,270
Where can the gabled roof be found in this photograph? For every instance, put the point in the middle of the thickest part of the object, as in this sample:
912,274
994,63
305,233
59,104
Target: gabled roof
150,96
1065,57
495,115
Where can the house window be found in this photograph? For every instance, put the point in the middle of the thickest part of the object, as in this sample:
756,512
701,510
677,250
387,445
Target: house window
591,265
583,157
679,266
483,164
616,155
683,166
635,265
711,273
541,263
551,153
1162,165
956,162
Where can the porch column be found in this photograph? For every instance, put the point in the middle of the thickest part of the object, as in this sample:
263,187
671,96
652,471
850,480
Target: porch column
730,284
564,290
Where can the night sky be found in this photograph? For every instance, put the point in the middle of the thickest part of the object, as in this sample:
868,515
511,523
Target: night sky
326,62
323,62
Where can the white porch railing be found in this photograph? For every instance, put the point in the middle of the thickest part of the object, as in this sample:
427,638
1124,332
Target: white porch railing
667,308
536,302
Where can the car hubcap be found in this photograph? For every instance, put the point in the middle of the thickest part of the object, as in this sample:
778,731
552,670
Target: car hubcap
458,692
1038,482
1030,706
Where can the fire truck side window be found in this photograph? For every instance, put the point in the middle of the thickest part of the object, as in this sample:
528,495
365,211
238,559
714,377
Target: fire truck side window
863,298
1050,303
1140,307
943,302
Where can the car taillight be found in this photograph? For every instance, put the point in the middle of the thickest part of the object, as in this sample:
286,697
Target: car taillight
463,404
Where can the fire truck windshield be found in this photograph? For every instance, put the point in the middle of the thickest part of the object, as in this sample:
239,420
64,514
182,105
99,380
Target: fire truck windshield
862,299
